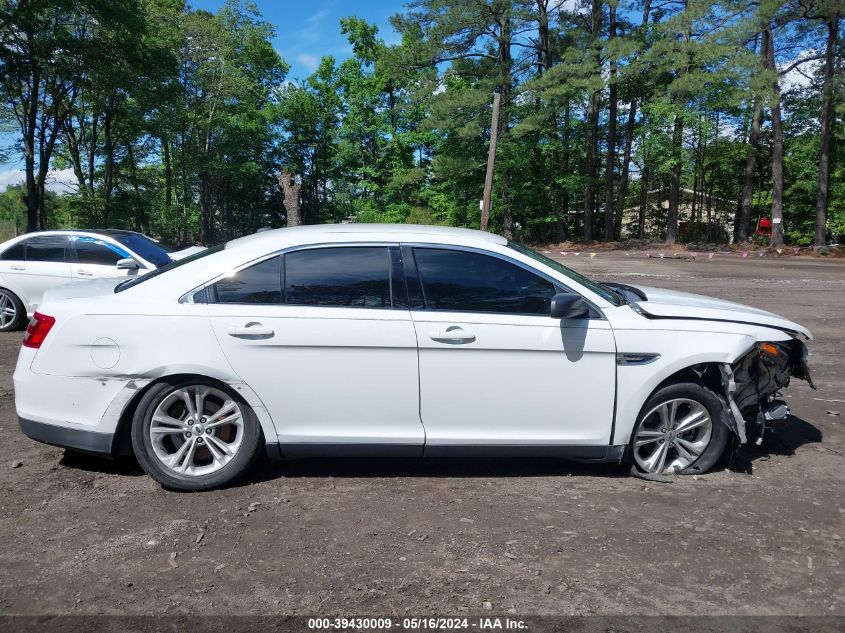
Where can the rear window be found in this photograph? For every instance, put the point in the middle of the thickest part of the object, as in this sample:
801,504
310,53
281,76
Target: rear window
134,281
152,251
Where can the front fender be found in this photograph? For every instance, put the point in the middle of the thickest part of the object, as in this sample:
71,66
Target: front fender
678,350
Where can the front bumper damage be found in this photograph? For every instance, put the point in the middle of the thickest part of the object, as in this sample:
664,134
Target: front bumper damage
752,387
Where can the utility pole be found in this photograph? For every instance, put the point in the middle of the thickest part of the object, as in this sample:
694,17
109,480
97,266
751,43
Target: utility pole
491,162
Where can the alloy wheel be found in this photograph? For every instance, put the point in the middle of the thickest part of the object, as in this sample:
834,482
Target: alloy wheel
8,310
672,436
196,430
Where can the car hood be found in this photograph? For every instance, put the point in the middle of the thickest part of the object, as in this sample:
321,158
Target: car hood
79,289
671,304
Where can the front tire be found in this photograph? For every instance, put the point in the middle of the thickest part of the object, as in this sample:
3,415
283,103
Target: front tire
12,311
194,435
679,430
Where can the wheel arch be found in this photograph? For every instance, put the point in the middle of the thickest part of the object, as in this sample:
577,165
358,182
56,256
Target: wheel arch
21,320
122,439
15,290
634,390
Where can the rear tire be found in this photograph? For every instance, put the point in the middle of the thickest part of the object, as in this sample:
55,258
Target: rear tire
679,430
195,435
12,311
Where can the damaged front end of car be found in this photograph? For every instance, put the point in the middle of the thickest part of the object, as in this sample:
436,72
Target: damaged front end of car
753,383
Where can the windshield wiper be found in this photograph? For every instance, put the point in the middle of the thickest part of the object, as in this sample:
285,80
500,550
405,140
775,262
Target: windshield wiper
616,292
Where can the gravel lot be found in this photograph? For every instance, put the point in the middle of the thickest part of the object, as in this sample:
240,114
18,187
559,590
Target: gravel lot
85,536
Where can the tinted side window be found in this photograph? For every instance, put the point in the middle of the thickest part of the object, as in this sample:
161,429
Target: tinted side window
461,281
48,248
90,251
354,276
15,252
261,283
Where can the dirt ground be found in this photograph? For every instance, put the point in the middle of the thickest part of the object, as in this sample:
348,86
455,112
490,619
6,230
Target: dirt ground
328,537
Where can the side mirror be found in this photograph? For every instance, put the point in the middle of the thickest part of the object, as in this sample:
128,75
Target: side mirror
127,263
569,306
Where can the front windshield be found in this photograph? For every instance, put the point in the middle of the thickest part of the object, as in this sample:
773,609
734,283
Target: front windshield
600,290
153,252
134,281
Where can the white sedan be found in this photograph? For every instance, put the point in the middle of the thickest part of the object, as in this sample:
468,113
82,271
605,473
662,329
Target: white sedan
32,263
395,340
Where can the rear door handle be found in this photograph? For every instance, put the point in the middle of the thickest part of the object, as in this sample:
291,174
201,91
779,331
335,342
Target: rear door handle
18,267
251,331
453,335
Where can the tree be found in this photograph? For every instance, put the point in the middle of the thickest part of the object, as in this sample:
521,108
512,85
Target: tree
831,19
777,139
609,200
750,169
43,51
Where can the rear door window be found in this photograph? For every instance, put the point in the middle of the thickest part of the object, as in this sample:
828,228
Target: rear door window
16,252
350,276
257,284
46,248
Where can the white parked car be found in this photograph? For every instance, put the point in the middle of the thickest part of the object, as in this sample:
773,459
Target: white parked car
394,340
32,263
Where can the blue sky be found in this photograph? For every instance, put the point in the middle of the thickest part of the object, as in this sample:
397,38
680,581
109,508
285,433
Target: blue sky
308,29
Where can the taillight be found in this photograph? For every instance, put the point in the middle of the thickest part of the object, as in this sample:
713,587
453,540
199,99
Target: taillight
37,330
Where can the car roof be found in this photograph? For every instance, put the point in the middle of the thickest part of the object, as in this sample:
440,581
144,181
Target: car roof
388,232
106,232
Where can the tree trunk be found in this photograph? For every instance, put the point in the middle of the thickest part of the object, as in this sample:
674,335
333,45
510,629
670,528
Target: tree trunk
777,142
108,172
505,63
290,190
677,148
626,161
590,163
566,154
643,200
610,159
749,172
205,208
72,143
168,171
820,237
544,41
32,202
675,182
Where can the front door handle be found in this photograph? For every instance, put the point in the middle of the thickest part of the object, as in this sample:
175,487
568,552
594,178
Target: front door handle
251,331
453,335
84,273
18,267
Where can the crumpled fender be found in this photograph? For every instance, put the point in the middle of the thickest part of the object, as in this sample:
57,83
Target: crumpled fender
731,415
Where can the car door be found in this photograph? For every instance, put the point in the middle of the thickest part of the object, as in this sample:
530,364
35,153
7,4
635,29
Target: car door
36,265
94,258
329,347
495,368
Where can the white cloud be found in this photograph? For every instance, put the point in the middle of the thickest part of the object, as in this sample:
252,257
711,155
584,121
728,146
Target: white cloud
317,17
58,180
800,76
570,6
308,61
